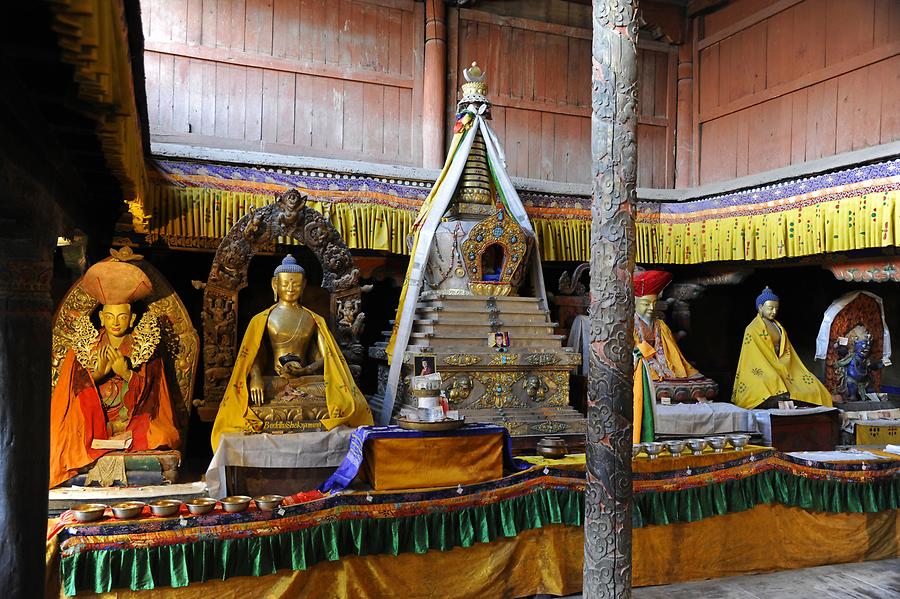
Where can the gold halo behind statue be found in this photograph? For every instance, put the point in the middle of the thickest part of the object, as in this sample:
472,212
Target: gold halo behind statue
179,344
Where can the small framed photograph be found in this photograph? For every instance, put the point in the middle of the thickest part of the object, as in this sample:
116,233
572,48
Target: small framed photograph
423,365
499,340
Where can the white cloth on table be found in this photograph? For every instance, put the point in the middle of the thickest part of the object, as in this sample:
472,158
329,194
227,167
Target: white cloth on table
851,455
703,419
849,419
293,450
764,418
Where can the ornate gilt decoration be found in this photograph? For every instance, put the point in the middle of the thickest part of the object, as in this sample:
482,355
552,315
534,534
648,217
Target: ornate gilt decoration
461,360
503,232
287,218
608,494
542,359
460,389
145,338
501,359
550,427
83,340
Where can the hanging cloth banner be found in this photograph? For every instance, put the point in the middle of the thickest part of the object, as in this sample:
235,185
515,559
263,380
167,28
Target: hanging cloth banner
469,122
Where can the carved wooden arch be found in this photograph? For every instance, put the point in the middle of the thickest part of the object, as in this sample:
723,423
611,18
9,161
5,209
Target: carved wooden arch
259,230
179,343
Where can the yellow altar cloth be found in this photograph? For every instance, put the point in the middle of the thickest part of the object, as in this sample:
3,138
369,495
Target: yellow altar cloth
427,462
346,404
762,374
877,434
549,559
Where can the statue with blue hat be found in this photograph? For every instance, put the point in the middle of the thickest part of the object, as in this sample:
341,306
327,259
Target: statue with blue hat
769,368
289,374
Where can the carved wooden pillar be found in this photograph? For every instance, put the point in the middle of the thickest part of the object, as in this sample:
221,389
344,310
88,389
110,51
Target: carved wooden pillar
684,129
25,312
608,498
435,85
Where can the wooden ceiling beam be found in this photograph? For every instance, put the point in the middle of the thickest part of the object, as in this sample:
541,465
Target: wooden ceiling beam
697,7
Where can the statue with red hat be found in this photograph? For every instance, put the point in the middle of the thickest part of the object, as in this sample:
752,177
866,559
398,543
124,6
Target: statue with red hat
661,370
111,392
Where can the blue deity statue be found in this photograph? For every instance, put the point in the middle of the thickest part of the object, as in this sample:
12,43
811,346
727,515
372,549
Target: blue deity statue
855,370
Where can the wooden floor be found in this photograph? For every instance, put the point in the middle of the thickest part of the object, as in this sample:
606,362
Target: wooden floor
868,580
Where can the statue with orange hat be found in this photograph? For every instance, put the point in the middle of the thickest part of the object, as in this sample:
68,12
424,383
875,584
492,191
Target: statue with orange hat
661,370
111,392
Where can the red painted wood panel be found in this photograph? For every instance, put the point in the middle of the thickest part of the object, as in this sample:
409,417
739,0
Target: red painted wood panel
888,72
333,78
539,83
731,13
803,80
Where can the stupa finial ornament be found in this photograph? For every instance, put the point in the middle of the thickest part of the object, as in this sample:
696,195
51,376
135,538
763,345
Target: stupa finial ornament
474,90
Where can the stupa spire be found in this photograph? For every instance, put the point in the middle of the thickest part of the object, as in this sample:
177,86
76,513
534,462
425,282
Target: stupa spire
475,194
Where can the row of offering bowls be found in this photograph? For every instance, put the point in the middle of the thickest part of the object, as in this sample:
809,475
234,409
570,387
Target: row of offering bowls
88,512
677,447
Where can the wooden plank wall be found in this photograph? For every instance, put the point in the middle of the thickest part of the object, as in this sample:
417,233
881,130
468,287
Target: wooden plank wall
785,81
325,78
539,83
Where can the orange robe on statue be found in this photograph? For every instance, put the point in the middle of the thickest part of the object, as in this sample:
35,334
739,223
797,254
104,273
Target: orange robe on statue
658,345
78,416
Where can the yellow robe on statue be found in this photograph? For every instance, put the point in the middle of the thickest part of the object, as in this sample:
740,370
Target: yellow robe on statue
762,374
346,404
658,339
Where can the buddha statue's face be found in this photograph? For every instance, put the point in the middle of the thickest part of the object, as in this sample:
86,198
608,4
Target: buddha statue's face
769,309
644,306
289,286
117,319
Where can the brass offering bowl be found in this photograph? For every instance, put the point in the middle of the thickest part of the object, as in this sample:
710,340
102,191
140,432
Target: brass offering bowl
128,509
88,512
636,449
165,507
552,447
697,445
236,503
717,443
268,502
676,448
200,505
739,442
653,449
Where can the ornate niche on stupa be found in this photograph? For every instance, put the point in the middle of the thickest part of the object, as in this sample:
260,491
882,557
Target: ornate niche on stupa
475,297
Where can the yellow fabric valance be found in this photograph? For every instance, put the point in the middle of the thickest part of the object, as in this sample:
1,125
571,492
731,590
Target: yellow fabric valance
195,204
868,220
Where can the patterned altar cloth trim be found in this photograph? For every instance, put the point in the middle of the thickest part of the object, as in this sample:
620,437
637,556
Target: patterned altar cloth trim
153,532
157,532
349,467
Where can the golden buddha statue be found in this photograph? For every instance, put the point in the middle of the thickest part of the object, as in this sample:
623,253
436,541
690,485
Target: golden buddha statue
769,369
289,373
295,360
111,393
